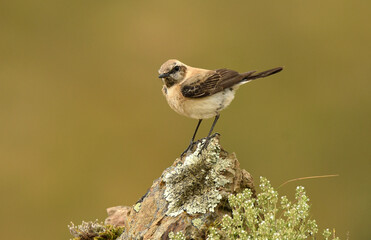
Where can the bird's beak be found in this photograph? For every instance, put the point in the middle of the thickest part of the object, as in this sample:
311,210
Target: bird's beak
164,75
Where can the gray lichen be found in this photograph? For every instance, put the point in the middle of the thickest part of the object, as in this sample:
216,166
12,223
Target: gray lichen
86,229
94,231
137,207
193,186
197,223
177,236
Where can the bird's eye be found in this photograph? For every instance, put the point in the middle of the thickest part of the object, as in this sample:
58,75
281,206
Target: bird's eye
176,68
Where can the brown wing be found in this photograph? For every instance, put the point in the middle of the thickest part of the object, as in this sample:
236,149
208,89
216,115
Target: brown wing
218,81
221,79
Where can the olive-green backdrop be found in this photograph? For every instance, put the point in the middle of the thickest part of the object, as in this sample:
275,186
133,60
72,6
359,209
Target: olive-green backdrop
84,125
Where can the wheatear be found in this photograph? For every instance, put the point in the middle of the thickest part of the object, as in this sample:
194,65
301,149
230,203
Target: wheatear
200,93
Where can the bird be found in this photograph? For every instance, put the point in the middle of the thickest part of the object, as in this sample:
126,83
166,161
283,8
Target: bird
201,93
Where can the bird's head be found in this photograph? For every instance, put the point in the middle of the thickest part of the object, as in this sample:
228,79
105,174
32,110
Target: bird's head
172,72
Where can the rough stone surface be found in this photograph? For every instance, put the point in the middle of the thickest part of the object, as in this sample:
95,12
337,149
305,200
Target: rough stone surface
189,196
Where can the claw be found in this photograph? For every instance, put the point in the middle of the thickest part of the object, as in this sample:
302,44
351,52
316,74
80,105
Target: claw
204,146
187,149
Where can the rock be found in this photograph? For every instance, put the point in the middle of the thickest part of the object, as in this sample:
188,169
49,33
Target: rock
189,196
118,216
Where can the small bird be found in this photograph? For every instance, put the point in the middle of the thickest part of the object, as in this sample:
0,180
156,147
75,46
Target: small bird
200,93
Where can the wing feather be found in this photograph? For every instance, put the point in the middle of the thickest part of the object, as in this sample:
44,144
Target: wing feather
216,82
219,80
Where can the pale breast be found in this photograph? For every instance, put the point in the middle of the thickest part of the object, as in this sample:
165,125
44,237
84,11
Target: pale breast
175,99
198,108
208,107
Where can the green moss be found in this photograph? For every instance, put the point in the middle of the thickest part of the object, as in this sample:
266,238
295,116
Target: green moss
95,231
193,186
267,217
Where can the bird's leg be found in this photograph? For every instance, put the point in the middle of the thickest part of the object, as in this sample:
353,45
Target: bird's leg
193,138
208,136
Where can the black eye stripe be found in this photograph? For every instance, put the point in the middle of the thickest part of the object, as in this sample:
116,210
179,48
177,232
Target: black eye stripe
175,69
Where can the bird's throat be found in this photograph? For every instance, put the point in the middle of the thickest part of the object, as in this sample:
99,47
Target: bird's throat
169,82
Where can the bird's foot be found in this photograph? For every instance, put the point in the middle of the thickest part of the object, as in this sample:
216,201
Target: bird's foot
206,143
204,146
187,149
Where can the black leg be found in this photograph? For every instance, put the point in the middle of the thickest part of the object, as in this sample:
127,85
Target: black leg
208,136
194,135
193,138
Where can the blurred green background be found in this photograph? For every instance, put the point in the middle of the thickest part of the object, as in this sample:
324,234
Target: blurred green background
84,125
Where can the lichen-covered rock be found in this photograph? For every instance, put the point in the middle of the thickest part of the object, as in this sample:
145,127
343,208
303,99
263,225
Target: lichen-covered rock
189,196
195,186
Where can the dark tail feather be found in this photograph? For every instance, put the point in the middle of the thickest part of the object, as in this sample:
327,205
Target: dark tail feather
253,75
